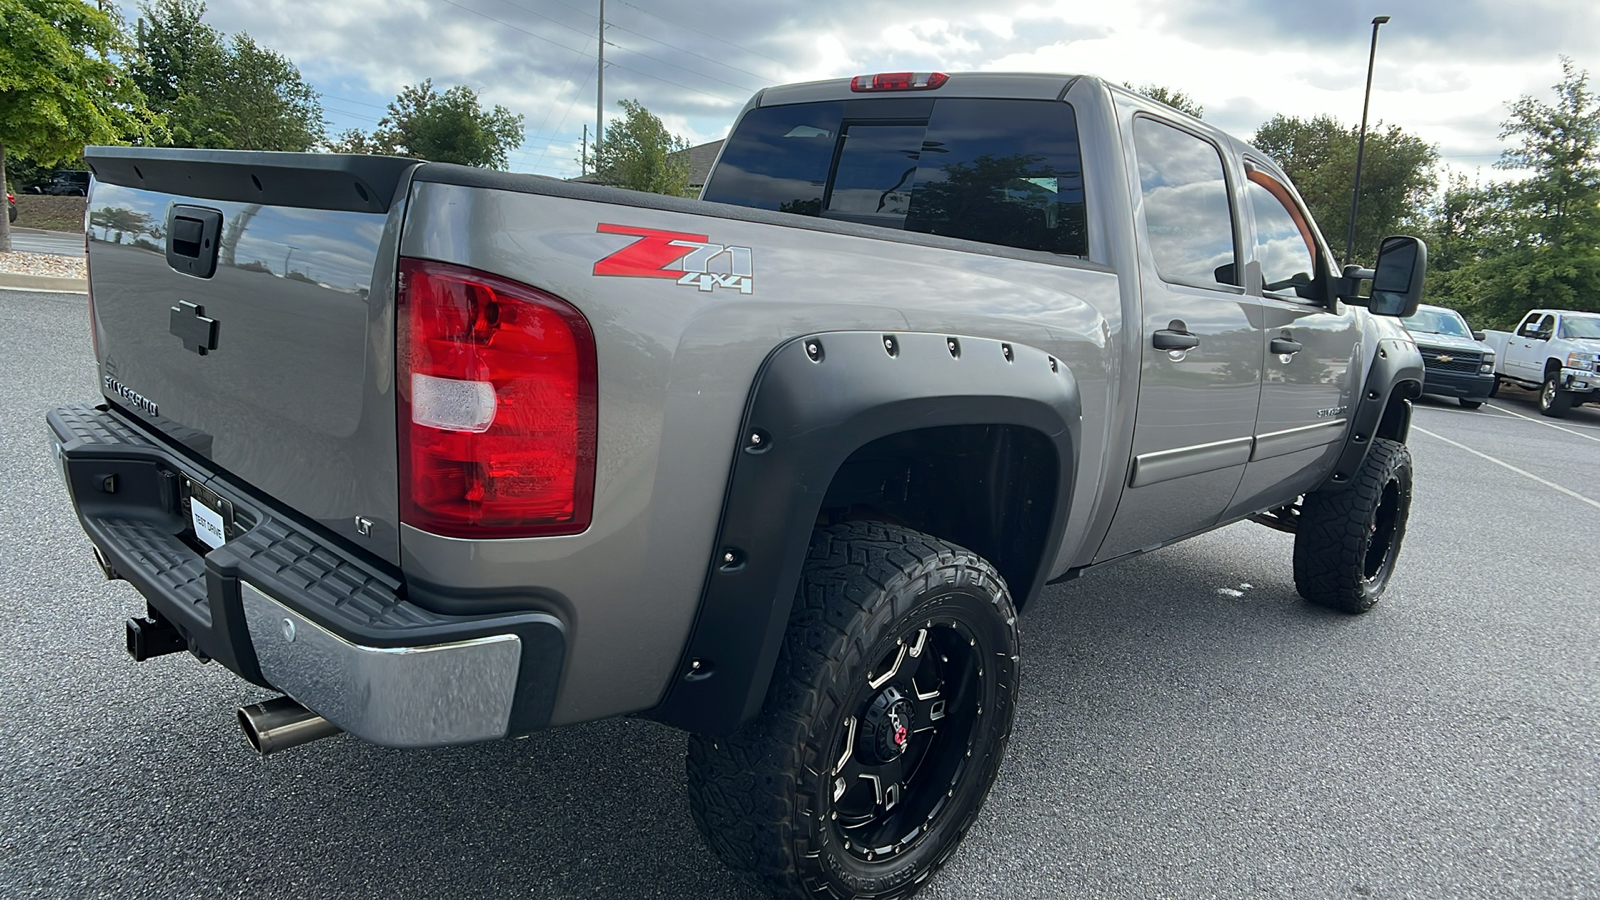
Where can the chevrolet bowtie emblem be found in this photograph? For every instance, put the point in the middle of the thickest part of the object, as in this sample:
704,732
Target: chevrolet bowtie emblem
190,325
1445,357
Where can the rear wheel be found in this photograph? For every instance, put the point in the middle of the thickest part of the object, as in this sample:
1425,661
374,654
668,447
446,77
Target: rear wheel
1554,400
1349,536
1471,404
883,729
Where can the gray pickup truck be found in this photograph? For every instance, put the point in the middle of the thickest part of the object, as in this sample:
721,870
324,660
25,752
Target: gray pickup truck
447,455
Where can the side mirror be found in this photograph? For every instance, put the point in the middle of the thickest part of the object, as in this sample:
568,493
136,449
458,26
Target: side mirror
1396,279
1478,336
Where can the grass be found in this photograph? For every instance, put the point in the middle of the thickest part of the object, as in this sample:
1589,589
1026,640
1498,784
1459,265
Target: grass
50,213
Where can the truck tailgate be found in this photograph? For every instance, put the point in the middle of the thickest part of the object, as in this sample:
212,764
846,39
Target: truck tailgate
243,306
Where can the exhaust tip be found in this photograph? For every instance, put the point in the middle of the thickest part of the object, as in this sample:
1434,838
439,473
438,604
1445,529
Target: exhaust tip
104,565
275,725
248,726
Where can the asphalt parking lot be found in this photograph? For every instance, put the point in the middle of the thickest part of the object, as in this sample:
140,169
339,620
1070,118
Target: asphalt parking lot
55,243
1188,726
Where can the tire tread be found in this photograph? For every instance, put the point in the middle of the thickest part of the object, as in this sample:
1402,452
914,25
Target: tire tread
860,577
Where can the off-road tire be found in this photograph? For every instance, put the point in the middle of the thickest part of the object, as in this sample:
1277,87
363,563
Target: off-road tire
1349,535
764,797
1554,400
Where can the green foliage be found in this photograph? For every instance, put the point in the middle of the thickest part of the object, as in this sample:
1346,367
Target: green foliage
638,153
61,86
23,173
1319,156
1500,250
450,127
1558,142
1176,99
221,93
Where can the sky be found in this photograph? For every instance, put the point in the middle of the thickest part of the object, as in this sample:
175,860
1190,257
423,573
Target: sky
1445,69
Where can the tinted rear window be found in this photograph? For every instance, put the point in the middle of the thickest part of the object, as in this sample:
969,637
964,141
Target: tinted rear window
1000,171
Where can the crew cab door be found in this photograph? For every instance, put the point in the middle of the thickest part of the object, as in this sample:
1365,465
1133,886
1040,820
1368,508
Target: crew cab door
1525,351
1200,365
1310,346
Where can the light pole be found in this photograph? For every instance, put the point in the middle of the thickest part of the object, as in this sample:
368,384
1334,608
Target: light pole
1361,143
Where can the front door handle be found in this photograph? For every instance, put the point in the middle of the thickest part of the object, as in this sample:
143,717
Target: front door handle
1167,339
1284,345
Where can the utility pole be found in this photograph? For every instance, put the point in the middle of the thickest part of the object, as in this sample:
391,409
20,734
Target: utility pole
600,81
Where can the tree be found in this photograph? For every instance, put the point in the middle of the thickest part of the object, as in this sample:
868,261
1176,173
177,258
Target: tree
450,127
1319,156
61,86
1560,143
1176,99
353,140
221,93
638,153
1543,241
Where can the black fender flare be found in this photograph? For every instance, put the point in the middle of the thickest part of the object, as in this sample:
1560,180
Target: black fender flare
1396,369
814,402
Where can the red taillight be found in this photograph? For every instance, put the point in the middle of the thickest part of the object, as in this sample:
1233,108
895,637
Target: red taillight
496,387
898,81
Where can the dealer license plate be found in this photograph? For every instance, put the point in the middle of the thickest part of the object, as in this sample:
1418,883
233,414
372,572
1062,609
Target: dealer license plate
210,516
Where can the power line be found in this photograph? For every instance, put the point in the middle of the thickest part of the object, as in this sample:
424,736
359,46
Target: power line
703,34
575,97
565,47
648,38
637,52
688,51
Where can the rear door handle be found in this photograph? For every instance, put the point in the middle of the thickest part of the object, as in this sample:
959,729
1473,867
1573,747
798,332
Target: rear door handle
1284,345
1167,339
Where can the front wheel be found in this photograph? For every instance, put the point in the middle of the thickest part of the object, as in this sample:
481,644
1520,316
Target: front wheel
1471,404
883,729
1349,536
1554,400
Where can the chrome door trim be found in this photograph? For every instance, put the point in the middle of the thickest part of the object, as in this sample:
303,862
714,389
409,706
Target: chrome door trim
1290,440
1165,465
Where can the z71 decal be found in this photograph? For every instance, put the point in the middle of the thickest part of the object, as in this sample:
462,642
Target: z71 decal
689,259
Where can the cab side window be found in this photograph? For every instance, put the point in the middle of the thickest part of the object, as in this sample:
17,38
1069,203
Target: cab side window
1187,215
1283,244
1530,326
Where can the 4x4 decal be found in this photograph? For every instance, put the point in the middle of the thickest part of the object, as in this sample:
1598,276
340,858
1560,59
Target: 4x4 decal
689,259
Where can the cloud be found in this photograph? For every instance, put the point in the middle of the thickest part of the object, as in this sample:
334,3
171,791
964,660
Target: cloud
1445,67
1525,29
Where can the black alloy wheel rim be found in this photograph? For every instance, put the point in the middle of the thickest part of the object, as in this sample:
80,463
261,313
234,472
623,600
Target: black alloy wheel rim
907,740
1381,535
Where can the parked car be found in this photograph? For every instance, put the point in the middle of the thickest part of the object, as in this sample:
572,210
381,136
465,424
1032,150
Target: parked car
1553,351
1457,363
778,469
64,184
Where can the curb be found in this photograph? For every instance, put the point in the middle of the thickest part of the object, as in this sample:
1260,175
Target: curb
45,283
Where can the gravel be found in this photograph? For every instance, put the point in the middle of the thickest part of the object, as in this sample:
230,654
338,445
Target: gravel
16,263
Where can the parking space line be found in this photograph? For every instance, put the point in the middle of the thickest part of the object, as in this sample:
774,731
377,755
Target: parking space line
1523,472
1587,437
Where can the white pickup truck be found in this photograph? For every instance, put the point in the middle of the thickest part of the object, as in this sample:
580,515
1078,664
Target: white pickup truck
1554,351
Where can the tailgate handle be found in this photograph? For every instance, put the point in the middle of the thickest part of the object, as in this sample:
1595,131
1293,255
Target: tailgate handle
193,233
